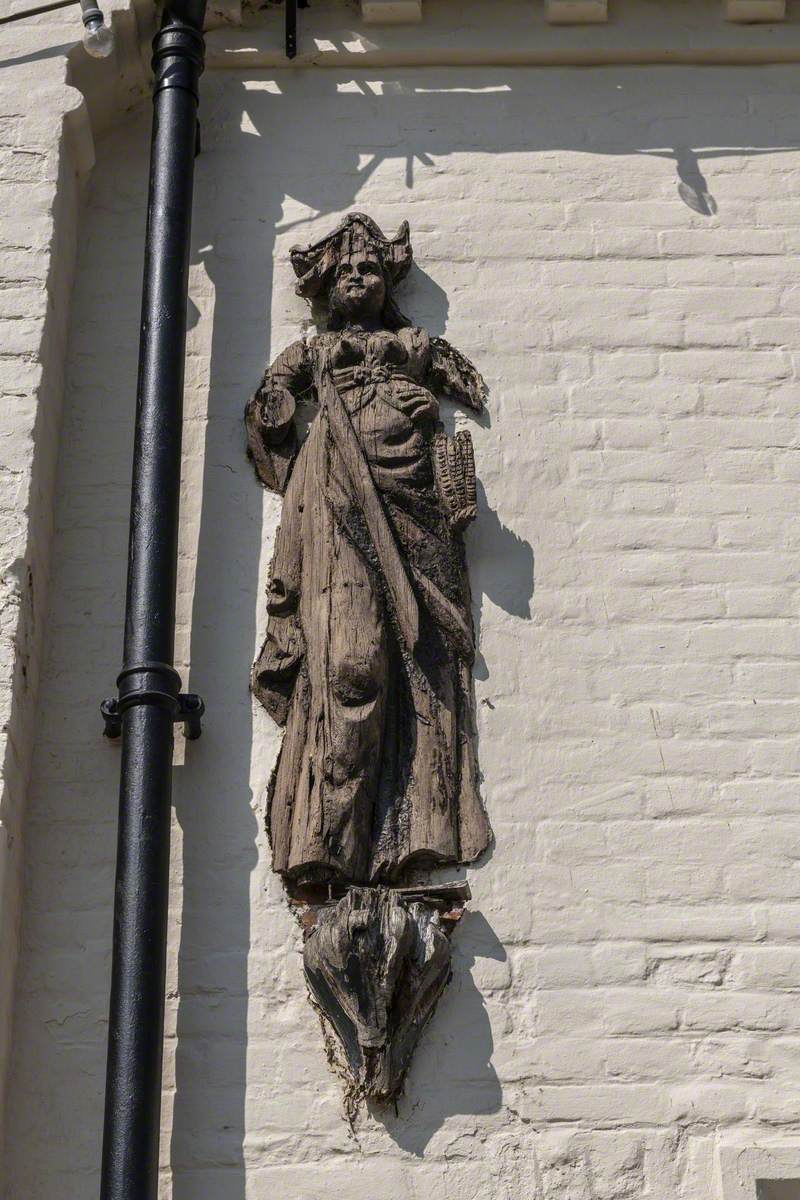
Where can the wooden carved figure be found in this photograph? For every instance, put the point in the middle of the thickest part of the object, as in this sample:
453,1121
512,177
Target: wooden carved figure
368,654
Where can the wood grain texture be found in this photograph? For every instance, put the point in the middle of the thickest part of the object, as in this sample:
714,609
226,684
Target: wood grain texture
376,965
369,646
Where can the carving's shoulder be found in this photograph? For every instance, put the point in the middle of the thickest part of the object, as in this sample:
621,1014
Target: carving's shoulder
418,344
321,344
416,336
297,351
289,367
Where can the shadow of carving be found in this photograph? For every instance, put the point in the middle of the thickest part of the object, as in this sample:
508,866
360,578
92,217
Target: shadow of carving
452,1072
212,792
503,570
427,301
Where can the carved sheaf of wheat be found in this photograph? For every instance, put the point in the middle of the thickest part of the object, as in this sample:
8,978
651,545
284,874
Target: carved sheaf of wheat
454,464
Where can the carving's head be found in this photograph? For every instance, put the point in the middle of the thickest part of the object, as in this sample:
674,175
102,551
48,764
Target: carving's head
354,271
358,291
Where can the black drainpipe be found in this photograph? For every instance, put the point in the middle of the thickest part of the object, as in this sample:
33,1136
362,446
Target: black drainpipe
149,701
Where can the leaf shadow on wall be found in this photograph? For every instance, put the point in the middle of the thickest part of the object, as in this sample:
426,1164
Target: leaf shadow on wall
693,187
692,184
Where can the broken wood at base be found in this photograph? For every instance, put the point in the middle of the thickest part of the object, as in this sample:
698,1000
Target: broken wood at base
447,899
376,964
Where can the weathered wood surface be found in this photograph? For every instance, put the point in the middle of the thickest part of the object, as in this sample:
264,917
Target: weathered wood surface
369,646
376,965
368,654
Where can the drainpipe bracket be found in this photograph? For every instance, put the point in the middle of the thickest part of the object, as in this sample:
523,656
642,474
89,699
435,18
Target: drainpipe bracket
153,683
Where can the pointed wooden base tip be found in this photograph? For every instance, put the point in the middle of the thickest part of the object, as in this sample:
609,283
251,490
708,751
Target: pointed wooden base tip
376,964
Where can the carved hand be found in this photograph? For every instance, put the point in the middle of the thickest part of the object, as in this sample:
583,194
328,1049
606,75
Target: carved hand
276,407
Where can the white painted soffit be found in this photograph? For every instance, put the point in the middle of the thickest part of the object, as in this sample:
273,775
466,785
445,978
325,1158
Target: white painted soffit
508,32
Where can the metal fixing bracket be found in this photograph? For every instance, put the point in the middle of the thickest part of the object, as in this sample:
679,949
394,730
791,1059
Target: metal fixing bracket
153,683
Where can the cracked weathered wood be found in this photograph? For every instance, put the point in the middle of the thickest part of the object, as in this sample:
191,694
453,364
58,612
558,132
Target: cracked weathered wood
376,965
369,648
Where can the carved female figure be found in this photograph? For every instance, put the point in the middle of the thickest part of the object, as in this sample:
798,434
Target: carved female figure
369,646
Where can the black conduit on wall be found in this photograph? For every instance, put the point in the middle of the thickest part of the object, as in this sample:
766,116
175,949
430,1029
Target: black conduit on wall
149,700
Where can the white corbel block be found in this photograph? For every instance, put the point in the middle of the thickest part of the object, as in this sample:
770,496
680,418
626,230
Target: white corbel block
748,11
576,12
391,12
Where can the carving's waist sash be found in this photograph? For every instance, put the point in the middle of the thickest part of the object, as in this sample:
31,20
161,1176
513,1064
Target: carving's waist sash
361,384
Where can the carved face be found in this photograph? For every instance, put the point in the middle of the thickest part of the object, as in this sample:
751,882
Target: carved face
359,289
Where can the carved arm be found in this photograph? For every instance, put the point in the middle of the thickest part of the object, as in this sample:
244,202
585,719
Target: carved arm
269,416
451,374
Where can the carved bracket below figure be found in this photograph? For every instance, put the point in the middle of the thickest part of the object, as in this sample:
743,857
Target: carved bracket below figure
376,963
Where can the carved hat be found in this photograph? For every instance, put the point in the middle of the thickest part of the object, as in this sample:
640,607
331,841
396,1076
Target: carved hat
315,265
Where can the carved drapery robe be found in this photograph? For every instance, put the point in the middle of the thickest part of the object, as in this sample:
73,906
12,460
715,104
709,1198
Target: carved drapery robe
369,647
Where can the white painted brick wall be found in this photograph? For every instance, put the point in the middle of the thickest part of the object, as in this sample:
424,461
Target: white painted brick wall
625,992
46,151
39,182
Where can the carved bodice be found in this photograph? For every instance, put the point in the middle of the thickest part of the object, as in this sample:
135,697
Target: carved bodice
384,372
389,382
405,352
379,377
